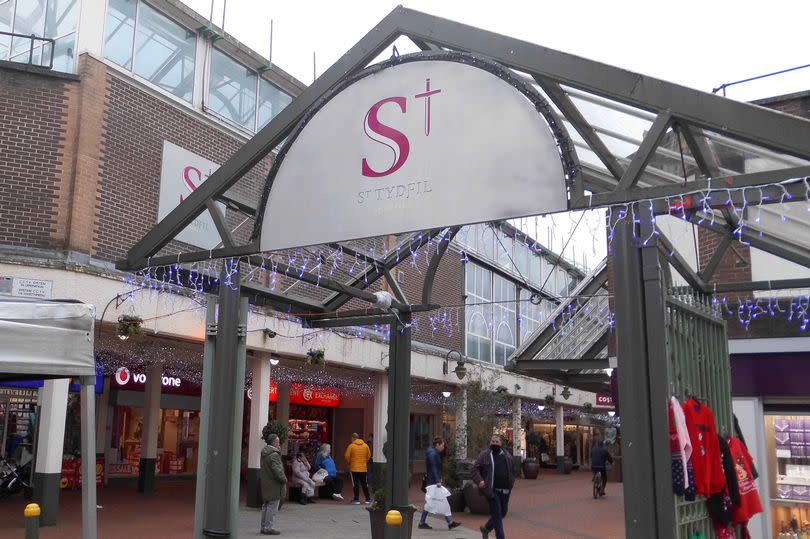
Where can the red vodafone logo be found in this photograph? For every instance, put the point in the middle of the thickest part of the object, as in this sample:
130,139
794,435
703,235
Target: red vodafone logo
122,376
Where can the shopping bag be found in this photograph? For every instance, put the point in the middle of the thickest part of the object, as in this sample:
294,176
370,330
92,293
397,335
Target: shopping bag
436,500
320,475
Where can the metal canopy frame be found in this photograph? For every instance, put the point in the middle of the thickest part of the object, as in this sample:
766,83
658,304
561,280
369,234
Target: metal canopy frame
689,147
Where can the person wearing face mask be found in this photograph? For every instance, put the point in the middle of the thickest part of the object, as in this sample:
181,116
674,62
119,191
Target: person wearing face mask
494,473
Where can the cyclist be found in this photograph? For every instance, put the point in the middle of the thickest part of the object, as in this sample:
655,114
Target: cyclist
599,459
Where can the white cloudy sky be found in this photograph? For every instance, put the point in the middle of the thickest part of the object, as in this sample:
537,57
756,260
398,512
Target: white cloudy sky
700,44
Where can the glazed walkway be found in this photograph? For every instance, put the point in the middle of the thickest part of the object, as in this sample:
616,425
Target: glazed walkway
551,507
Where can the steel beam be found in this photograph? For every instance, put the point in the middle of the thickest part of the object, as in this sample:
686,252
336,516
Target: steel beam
707,272
430,275
751,123
679,262
779,284
761,240
394,286
717,190
698,147
582,126
534,365
219,222
645,151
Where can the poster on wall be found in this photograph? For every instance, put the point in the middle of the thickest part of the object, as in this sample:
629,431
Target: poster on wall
181,173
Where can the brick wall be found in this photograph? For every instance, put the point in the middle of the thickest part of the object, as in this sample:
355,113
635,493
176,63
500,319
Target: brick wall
33,115
137,123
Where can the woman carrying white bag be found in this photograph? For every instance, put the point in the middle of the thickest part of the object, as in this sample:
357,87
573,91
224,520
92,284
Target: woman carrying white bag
435,494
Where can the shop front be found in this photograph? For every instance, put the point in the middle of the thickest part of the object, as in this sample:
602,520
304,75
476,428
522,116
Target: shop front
178,425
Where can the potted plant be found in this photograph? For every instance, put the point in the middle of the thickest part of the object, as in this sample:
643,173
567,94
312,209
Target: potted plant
278,428
316,357
475,501
129,326
549,401
531,465
377,512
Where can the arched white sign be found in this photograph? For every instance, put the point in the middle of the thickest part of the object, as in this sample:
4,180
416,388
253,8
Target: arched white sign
423,143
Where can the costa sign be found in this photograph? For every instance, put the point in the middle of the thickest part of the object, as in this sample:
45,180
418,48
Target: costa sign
422,141
604,399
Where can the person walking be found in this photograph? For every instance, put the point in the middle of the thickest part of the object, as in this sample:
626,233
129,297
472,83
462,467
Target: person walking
599,459
325,461
433,465
273,482
357,456
494,474
301,478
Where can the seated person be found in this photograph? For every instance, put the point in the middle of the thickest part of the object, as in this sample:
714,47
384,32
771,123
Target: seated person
332,481
301,478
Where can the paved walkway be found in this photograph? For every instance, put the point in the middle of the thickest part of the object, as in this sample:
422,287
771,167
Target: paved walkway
551,507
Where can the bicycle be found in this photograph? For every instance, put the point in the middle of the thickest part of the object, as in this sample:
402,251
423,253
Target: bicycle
598,487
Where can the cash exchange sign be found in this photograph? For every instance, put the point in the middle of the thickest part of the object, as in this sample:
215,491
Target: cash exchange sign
420,142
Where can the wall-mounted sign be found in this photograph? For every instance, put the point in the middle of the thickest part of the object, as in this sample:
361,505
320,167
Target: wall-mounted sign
305,395
136,381
604,400
422,141
181,173
26,288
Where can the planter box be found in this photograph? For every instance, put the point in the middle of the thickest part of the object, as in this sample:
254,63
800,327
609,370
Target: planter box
530,468
456,501
478,504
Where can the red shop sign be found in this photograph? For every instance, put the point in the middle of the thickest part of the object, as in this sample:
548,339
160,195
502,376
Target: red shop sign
306,395
604,399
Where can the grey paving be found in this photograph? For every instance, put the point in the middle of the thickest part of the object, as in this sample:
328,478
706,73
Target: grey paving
336,521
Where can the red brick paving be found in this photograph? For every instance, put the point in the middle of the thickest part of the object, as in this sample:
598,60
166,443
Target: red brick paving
551,507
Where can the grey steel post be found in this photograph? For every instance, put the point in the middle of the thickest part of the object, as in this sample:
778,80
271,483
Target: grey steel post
643,382
205,412
219,504
88,434
238,388
398,428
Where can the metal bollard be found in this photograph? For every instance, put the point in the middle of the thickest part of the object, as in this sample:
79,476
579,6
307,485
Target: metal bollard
32,512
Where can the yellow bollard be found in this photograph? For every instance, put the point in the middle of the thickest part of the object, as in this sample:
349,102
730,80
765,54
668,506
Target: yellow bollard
393,518
32,512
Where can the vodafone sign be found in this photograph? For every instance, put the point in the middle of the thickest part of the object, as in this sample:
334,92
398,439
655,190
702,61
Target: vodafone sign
422,141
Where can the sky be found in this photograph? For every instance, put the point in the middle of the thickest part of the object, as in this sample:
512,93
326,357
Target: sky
699,44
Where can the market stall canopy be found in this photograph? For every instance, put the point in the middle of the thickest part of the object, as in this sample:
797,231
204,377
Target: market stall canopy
46,339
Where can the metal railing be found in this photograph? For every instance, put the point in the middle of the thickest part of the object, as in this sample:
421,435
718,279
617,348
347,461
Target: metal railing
33,46
580,331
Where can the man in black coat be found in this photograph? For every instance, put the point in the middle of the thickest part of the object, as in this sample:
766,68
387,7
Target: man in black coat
494,473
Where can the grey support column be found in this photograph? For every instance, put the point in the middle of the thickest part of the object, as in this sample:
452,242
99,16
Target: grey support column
220,506
559,415
259,412
205,414
643,381
380,419
283,409
151,427
88,435
51,440
461,423
398,428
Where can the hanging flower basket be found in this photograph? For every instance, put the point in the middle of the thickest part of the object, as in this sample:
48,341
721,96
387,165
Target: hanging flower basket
129,325
549,400
315,357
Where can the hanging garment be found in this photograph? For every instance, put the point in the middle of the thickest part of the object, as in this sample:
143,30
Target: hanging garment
738,433
729,471
706,457
680,446
750,503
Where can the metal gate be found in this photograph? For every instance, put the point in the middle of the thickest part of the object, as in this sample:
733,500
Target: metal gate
699,367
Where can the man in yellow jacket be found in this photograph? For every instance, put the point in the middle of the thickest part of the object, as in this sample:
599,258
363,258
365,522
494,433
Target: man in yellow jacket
357,457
